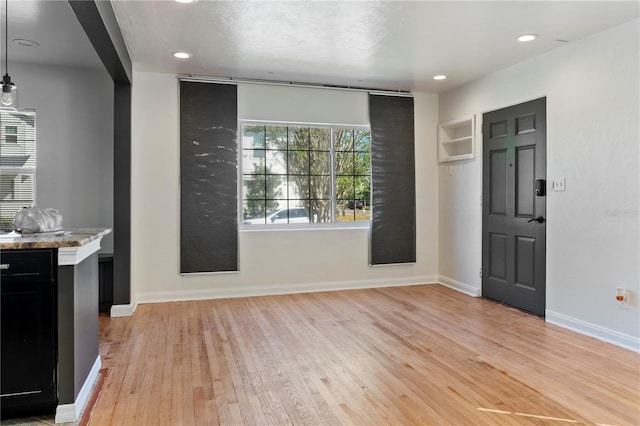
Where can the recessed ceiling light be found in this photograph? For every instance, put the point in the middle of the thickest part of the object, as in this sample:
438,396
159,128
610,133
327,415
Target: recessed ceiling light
182,55
26,43
185,1
439,77
527,37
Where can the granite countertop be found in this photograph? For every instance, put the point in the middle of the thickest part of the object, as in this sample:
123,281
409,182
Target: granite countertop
64,238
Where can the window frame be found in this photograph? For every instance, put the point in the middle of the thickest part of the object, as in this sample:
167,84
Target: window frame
20,170
13,134
334,224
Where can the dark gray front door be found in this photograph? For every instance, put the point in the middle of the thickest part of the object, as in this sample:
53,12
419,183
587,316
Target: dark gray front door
514,206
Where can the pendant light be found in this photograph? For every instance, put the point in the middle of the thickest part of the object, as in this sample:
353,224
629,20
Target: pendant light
9,97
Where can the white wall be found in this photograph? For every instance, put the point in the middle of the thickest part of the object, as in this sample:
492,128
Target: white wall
270,261
300,104
74,141
592,89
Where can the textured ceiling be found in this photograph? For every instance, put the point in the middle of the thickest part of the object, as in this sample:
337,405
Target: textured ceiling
392,45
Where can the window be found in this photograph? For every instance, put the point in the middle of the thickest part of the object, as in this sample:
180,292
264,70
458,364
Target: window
17,164
305,174
11,134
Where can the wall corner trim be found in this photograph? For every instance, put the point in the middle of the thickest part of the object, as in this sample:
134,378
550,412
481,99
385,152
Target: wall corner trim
458,286
118,311
593,330
66,413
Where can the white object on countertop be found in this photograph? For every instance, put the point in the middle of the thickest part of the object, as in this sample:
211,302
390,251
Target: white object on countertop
35,219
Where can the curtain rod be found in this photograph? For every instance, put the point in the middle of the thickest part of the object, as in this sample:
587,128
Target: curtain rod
232,80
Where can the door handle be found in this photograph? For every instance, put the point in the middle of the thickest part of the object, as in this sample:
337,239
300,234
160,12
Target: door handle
538,219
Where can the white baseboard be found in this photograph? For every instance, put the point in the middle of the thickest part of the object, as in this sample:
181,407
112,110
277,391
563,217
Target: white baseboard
66,413
71,412
601,333
123,310
458,286
226,293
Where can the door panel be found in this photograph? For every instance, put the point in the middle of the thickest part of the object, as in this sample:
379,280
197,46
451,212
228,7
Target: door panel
498,195
525,124
498,129
498,248
525,249
514,252
525,191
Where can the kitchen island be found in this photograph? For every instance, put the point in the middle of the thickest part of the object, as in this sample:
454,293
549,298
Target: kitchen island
50,358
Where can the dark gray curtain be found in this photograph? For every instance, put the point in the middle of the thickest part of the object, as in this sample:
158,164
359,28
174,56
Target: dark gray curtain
393,224
208,177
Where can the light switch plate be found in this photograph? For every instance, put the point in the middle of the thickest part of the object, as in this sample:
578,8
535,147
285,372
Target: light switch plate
558,184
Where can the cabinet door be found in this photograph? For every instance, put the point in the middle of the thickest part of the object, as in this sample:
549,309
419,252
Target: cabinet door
28,326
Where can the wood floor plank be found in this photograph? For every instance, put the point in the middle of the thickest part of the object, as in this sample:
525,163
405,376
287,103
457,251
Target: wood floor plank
418,355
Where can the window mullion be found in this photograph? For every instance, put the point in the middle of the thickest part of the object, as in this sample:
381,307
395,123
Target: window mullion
266,203
288,171
310,212
332,156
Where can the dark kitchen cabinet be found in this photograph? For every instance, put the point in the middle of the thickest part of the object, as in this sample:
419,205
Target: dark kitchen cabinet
28,331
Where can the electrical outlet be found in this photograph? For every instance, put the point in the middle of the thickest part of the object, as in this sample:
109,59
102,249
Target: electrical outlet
622,296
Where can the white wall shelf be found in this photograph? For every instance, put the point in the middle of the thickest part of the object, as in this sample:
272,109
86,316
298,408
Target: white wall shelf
456,139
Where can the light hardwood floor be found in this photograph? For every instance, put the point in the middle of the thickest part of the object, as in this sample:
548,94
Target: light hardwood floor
407,355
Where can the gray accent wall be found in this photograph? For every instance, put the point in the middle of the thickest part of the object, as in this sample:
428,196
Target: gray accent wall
101,27
74,141
77,326
122,195
66,394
